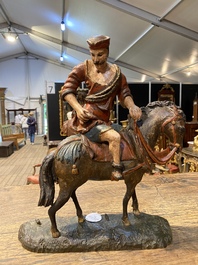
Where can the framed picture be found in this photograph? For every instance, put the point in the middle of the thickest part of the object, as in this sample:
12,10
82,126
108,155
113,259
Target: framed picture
65,110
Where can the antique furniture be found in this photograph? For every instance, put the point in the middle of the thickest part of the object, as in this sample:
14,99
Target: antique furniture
8,135
192,126
195,109
195,143
166,93
34,178
52,144
189,159
2,105
65,110
124,123
11,113
6,148
190,133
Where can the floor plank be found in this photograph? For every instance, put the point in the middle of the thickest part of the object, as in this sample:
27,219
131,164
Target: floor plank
16,168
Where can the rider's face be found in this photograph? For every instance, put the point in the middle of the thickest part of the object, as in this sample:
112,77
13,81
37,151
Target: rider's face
99,57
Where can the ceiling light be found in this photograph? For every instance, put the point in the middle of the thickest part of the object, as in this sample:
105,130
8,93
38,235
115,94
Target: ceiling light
61,58
188,73
62,25
11,37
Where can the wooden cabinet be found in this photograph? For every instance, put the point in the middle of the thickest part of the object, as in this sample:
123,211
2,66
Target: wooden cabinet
190,132
11,113
166,93
6,148
2,105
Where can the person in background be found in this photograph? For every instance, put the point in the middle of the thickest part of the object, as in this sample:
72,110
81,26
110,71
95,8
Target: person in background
31,121
24,125
17,121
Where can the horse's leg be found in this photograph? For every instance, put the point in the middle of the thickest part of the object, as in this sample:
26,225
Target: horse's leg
135,203
63,197
79,213
129,192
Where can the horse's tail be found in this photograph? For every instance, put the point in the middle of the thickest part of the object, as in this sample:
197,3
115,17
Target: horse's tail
46,181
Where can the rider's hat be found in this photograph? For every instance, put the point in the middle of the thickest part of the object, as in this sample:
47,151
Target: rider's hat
99,42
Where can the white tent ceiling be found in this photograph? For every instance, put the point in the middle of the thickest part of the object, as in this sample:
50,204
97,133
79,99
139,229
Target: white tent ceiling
153,40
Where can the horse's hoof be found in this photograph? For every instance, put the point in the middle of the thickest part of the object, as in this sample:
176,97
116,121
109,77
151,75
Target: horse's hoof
126,222
81,219
136,212
56,234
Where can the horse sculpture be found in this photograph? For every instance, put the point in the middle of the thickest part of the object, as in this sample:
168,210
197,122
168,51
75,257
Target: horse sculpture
75,160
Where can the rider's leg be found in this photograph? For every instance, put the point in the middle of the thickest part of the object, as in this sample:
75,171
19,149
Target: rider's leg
113,138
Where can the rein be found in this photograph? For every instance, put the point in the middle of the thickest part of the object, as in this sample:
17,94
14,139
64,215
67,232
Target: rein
171,120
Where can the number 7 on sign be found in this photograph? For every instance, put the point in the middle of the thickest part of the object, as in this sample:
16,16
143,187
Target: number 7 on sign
50,88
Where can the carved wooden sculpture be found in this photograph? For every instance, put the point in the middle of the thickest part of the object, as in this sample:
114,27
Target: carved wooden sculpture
77,160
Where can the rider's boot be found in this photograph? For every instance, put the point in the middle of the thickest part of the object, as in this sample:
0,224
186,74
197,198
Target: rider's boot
117,172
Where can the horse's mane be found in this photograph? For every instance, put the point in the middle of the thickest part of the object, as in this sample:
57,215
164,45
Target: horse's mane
164,103
151,106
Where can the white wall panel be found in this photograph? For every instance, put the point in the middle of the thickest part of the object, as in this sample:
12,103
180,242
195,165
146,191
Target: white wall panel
26,80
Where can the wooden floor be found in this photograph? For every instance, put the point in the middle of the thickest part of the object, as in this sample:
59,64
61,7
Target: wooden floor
173,197
16,168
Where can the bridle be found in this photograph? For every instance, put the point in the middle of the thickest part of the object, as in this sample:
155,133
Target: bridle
155,156
172,120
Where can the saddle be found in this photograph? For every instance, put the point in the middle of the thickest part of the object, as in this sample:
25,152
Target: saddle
100,151
131,151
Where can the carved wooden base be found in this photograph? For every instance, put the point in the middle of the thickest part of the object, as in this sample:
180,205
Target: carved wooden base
145,232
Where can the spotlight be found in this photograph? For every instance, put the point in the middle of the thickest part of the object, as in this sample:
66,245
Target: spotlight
11,38
188,73
62,25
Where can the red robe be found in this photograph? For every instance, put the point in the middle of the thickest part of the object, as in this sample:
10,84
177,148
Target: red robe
100,98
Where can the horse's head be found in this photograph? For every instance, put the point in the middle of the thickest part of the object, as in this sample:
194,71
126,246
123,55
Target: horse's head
174,125
162,117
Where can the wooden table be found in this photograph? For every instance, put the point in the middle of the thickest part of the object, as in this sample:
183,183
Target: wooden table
189,159
173,197
6,148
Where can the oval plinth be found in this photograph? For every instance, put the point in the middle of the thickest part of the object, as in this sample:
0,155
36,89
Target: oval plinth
145,232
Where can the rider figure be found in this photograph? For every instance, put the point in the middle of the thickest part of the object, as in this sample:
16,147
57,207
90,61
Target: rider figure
104,81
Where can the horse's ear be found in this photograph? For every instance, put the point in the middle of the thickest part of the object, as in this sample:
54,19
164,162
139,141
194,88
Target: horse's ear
144,114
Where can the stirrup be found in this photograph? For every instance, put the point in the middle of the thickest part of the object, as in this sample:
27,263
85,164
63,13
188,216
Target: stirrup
117,172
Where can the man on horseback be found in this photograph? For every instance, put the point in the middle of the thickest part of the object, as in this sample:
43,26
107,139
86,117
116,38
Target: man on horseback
104,81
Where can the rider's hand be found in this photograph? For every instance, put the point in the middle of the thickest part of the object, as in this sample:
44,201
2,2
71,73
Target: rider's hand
83,115
135,112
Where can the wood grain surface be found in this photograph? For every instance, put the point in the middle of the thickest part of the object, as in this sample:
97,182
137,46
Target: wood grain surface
172,196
